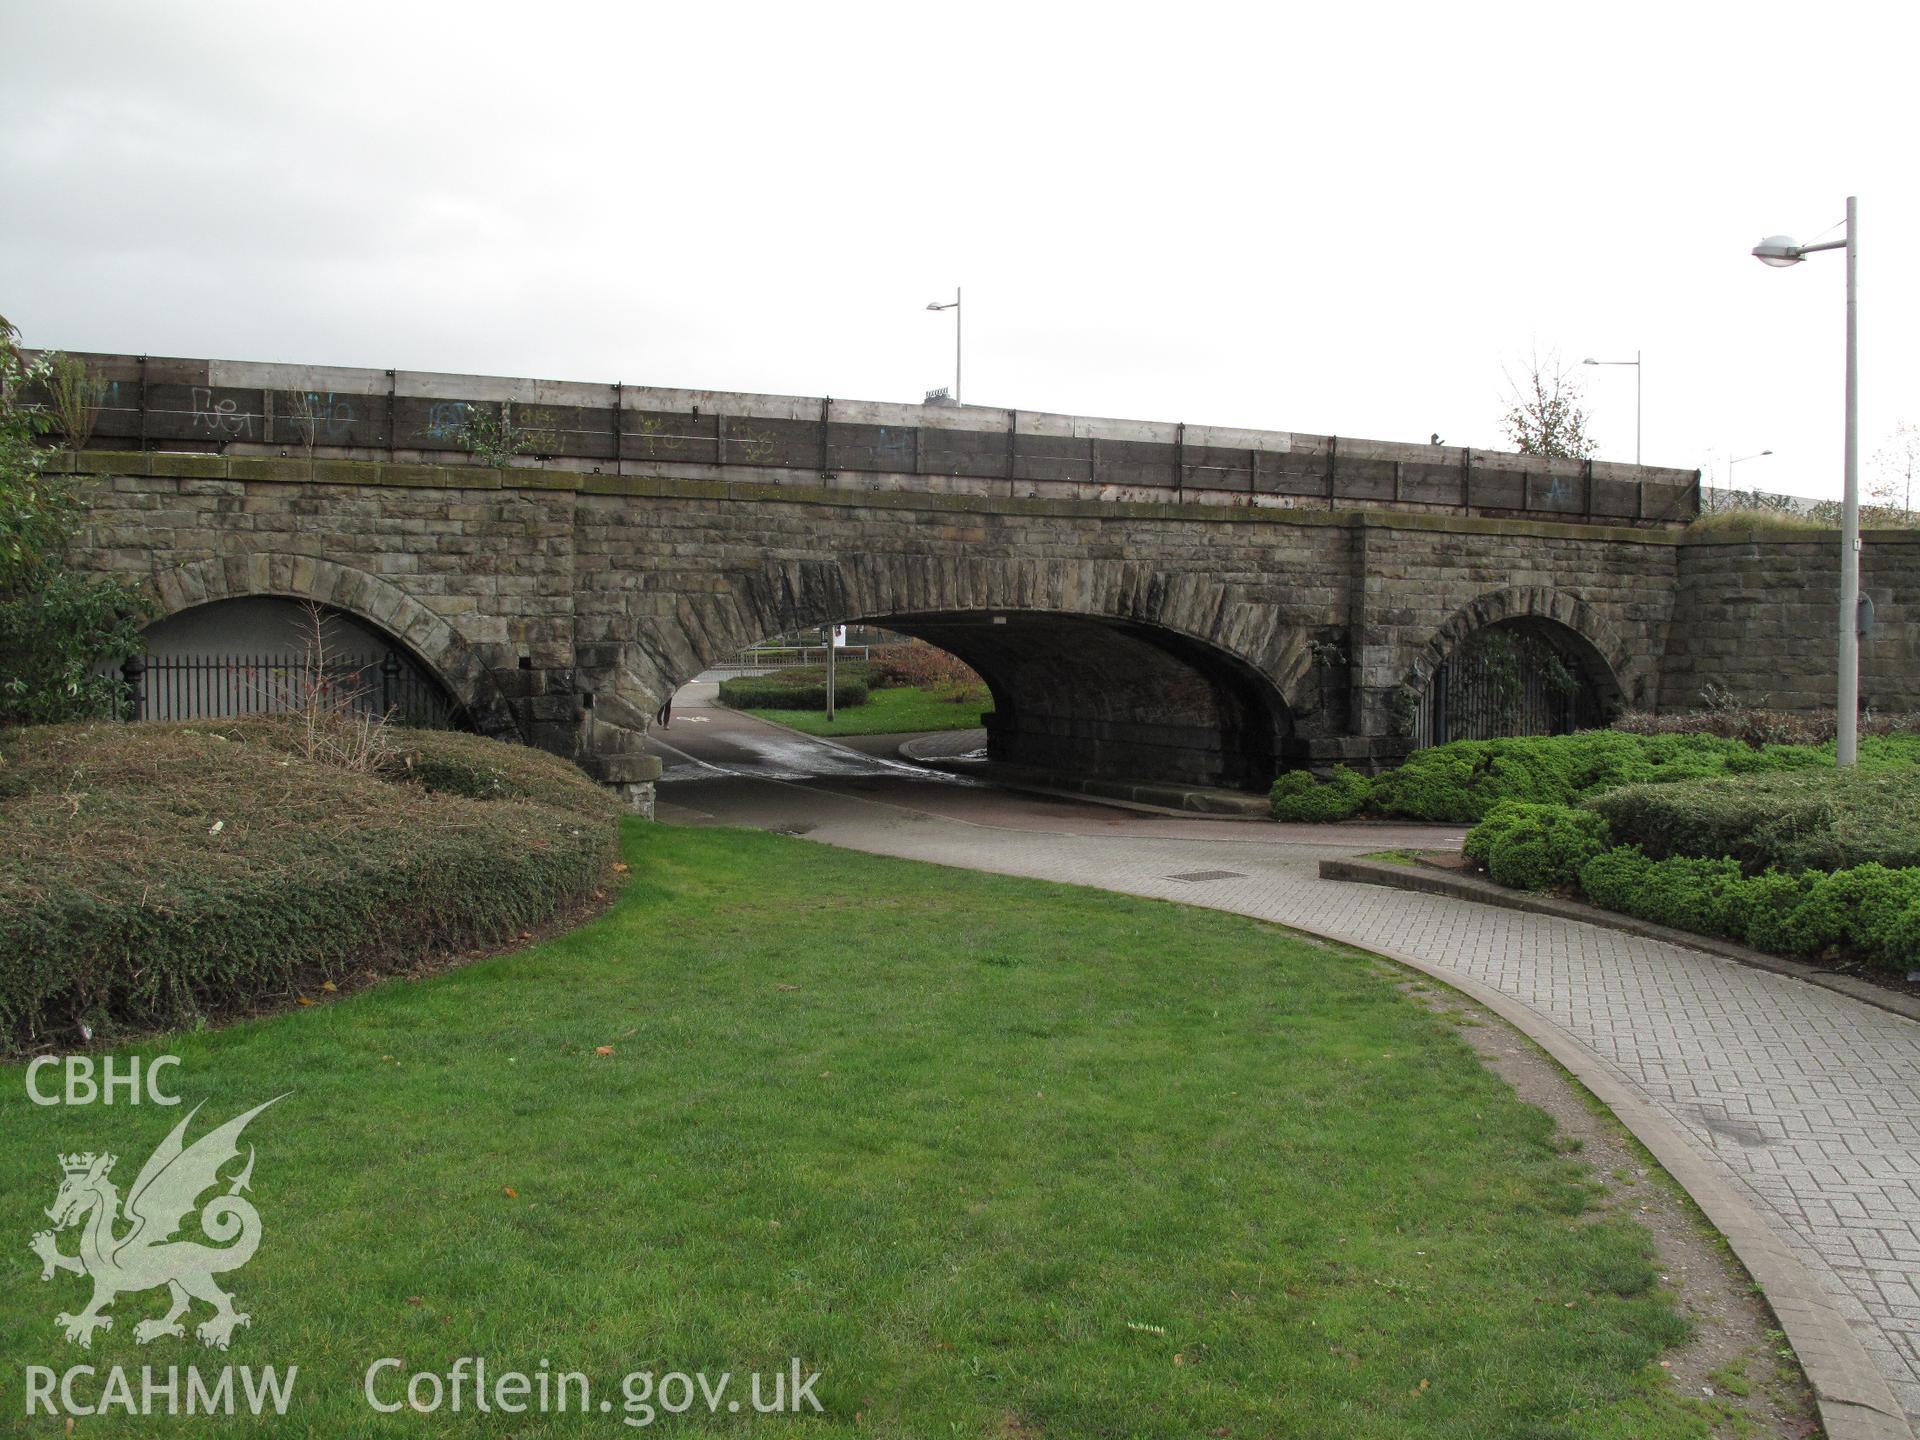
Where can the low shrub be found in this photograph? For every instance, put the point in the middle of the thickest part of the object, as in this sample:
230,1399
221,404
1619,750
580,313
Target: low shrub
1464,779
1809,817
1771,900
923,667
1756,725
1297,796
773,692
152,874
1705,896
1536,847
1868,912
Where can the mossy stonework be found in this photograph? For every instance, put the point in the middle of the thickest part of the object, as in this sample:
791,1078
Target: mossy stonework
1168,641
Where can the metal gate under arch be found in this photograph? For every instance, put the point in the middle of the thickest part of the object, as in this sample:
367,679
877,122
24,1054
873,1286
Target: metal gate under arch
1508,680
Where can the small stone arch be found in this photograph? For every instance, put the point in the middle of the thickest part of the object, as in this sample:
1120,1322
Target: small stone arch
1603,658
432,641
1522,602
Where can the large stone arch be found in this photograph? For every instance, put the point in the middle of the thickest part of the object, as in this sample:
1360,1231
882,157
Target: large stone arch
433,641
1250,665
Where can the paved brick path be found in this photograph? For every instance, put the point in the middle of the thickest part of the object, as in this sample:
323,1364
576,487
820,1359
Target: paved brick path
1807,1100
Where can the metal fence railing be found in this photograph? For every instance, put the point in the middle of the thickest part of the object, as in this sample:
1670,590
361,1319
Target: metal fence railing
1523,687
773,657
300,414
210,687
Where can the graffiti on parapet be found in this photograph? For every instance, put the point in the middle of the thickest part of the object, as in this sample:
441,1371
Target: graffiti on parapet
220,419
329,416
447,420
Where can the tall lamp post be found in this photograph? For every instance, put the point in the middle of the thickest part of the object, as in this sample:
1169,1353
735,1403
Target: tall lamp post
1635,363
1782,251
1733,460
954,306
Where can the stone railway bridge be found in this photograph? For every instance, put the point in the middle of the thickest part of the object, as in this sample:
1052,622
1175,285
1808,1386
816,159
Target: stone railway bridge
1147,602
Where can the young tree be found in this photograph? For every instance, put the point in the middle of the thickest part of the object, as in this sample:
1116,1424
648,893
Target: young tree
57,626
1896,462
1544,414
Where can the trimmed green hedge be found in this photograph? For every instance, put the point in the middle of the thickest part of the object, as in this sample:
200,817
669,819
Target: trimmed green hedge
771,692
1812,819
1869,912
1463,780
1297,796
152,874
1536,847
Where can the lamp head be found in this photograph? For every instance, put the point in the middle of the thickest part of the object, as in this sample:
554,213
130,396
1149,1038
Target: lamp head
1779,251
1590,361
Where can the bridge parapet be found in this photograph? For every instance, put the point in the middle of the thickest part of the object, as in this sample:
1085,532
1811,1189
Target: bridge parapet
317,412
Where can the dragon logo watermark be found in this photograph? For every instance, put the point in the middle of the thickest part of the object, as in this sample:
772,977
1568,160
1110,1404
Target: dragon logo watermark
125,1249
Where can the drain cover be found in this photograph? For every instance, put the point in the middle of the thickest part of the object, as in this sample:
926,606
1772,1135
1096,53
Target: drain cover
1193,876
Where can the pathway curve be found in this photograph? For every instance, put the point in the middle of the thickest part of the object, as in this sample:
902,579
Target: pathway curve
1806,1100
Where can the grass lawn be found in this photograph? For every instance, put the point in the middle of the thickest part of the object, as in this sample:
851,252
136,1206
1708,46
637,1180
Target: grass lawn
900,710
997,1158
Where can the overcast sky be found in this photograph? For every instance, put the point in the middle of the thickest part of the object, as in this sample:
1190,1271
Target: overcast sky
1345,219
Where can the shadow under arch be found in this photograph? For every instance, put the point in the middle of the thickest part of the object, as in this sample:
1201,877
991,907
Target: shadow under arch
433,643
1107,667
1090,696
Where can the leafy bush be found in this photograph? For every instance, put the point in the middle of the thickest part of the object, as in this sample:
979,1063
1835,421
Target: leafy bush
61,631
1536,847
1464,779
1771,901
1869,912
150,874
1869,909
1297,796
1613,879
774,692
1801,819
1705,896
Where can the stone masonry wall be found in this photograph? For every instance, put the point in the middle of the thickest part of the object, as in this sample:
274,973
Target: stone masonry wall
560,607
1759,617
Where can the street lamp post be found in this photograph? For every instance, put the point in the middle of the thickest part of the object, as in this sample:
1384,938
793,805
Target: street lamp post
954,306
1635,363
1781,251
830,667
1733,460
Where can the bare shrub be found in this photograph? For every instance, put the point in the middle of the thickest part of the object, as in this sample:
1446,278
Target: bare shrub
925,667
1723,714
337,725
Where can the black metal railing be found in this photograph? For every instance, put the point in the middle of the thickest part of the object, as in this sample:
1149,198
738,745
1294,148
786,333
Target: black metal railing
1522,687
147,402
209,687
